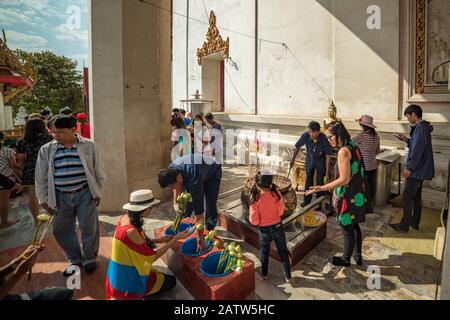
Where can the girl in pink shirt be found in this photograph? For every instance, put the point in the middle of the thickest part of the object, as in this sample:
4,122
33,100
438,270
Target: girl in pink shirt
266,208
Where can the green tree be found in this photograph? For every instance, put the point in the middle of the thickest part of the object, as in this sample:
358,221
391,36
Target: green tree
59,84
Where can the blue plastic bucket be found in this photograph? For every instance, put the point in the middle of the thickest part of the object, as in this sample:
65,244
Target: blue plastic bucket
183,227
189,248
209,266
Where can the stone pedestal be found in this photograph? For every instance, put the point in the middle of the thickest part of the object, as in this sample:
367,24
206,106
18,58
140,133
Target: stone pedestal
187,270
130,89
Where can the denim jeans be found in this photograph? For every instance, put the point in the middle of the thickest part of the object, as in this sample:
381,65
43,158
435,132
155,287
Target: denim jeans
352,242
211,188
73,206
274,233
312,166
412,203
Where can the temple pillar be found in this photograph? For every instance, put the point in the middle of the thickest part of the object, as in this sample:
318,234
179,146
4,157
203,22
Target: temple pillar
2,113
130,84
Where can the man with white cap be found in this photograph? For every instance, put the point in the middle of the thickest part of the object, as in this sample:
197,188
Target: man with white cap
131,274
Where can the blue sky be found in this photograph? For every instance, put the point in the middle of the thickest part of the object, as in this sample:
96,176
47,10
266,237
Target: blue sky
56,25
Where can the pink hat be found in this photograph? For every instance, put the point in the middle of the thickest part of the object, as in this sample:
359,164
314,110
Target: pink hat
82,116
366,121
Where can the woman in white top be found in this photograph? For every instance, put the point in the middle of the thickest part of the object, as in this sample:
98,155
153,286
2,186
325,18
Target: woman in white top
181,139
203,135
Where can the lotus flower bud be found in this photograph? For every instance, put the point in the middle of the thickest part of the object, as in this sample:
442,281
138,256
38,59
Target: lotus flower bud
240,263
217,244
200,227
238,270
239,255
237,248
232,253
43,217
225,247
232,246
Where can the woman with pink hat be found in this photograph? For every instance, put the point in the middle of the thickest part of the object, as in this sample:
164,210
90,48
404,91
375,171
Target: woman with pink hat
368,142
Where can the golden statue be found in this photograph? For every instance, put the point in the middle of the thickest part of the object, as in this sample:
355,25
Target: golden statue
332,113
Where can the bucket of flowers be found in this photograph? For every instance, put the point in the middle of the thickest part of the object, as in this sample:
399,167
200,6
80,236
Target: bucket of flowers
224,262
190,247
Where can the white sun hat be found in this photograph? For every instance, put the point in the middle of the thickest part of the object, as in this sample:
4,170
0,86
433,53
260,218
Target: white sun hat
141,200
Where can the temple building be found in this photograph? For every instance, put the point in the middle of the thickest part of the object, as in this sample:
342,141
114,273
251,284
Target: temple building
278,65
261,64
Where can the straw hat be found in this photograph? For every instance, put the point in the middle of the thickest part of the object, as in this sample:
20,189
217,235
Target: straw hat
366,121
141,200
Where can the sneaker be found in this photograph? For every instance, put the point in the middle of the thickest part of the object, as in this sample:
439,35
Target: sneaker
70,270
359,261
339,262
399,227
90,267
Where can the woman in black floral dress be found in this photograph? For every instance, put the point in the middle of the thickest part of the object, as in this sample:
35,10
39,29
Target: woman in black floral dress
36,135
350,194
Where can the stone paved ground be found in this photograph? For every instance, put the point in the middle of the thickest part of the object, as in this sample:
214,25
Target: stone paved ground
405,274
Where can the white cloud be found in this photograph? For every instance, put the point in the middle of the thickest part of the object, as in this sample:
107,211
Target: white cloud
29,42
10,16
65,33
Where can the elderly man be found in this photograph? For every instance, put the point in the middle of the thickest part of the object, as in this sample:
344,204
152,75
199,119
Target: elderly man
69,183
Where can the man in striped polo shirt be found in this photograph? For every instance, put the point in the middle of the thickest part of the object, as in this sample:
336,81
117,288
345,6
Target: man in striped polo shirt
69,184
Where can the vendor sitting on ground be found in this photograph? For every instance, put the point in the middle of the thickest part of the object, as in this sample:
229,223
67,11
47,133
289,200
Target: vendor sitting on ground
130,273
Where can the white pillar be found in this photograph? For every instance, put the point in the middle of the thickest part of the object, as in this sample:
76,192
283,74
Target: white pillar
2,113
130,85
445,277
9,121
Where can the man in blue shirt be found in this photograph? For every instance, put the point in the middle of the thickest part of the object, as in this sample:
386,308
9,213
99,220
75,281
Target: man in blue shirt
318,155
187,122
419,167
200,176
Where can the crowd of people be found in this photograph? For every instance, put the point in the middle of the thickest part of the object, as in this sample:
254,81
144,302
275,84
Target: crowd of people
18,163
63,172
187,138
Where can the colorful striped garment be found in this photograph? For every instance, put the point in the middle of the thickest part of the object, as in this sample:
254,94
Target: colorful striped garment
130,275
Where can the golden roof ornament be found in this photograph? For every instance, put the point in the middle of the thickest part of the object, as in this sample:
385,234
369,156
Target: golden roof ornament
12,65
214,42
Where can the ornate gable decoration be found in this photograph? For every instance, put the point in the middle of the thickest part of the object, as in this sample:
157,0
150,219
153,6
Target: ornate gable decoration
214,42
14,67
10,60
